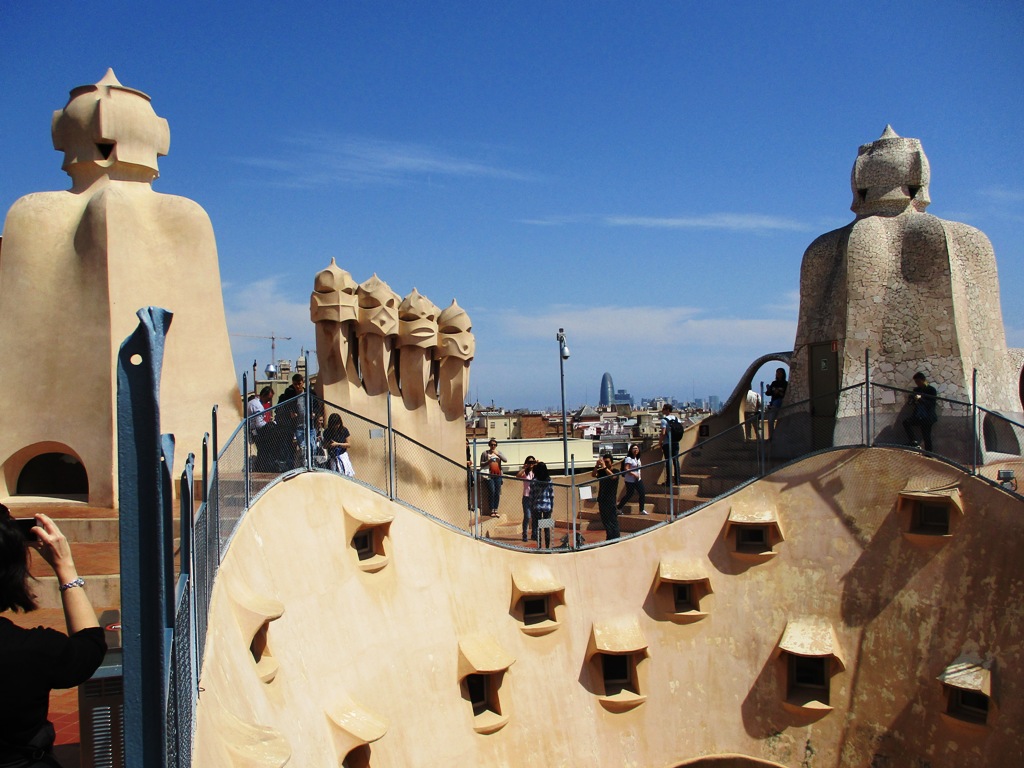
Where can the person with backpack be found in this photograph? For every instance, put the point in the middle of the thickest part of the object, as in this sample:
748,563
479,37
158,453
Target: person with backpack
671,435
542,501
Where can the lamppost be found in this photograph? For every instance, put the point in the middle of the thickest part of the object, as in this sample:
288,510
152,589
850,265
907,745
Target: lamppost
563,355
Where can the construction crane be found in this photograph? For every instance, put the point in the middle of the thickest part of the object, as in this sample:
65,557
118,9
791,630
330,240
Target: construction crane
273,349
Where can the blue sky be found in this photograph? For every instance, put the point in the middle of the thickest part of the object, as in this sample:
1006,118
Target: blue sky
645,175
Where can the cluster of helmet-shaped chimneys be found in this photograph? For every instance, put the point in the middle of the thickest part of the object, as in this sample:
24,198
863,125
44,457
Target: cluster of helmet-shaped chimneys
371,339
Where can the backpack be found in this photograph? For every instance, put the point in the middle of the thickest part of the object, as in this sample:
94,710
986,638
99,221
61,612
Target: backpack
675,429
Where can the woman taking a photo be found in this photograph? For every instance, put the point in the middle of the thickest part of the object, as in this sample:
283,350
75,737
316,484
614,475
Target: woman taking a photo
608,487
34,661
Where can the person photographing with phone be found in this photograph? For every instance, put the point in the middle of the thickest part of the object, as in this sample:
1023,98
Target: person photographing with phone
34,661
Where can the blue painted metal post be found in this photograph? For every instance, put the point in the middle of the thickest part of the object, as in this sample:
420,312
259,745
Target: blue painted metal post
144,461
246,479
213,521
206,467
307,428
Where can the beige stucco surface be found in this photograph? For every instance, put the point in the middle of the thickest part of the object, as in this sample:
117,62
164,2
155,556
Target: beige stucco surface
77,265
386,646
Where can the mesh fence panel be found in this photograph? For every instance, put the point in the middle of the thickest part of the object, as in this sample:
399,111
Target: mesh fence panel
202,576
276,442
180,701
231,485
895,419
722,462
434,483
368,454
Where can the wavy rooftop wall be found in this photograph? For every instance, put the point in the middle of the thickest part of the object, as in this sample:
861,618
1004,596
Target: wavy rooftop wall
318,654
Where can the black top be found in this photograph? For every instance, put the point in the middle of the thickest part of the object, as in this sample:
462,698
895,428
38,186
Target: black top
776,391
607,485
340,435
33,661
924,402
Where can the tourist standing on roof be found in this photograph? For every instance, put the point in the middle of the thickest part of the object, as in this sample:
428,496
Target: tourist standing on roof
34,661
607,490
294,417
634,482
776,391
526,475
490,464
923,412
671,434
542,501
336,443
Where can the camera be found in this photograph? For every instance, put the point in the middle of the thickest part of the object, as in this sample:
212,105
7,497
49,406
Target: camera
25,525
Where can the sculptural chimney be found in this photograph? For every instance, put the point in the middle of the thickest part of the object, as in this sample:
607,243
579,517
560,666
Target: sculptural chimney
75,267
909,292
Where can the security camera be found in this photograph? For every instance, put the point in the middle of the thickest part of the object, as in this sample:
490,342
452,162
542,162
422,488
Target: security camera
565,351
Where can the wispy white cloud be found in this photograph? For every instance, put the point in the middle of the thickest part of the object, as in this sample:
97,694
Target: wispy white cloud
1004,195
788,302
315,160
648,327
258,310
730,222
736,222
557,221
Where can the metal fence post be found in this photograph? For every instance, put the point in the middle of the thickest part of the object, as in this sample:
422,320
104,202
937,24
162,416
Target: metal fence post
762,448
572,504
670,468
213,522
975,446
307,428
144,459
475,476
392,484
245,444
866,423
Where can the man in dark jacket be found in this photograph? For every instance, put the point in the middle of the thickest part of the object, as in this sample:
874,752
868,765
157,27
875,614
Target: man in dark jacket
923,413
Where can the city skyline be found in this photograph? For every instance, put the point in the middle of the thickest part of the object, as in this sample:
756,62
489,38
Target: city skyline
645,177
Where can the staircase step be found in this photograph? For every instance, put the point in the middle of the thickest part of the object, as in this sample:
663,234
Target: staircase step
92,558
102,590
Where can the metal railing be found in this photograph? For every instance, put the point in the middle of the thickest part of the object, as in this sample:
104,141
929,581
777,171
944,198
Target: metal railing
269,446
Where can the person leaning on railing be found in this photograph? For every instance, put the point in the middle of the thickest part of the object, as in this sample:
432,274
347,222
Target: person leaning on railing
34,661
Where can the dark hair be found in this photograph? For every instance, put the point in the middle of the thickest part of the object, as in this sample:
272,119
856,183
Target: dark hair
920,375
297,378
334,418
630,451
266,391
540,472
14,592
780,370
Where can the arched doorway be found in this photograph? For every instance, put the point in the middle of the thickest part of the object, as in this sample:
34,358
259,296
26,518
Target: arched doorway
53,474
728,761
999,435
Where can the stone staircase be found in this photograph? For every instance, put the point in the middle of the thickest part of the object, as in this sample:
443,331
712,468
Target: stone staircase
93,534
